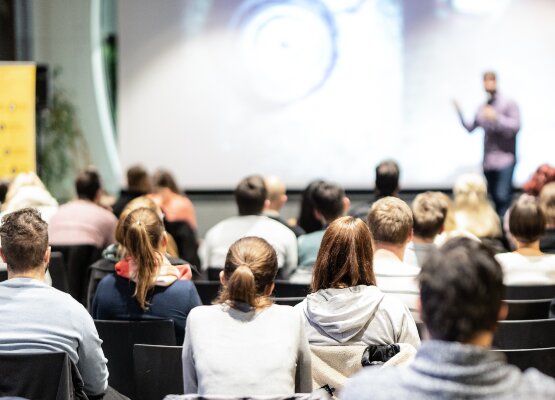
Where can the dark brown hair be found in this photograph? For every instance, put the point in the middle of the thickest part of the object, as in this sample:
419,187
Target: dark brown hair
142,232
164,179
87,184
345,258
250,195
387,179
390,220
250,266
429,210
138,179
24,237
328,200
526,219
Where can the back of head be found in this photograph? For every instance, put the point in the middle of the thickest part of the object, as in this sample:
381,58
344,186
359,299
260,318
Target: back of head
345,258
250,195
307,220
164,179
137,202
138,179
461,289
250,267
87,184
24,240
276,192
390,221
387,179
547,203
429,210
526,220
328,200
142,232
470,190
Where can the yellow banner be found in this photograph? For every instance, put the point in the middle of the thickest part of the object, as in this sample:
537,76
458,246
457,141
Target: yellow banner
17,119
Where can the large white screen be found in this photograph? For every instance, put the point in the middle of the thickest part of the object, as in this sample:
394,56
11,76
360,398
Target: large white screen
216,90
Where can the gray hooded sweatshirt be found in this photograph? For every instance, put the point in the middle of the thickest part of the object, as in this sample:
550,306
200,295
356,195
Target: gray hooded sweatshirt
359,315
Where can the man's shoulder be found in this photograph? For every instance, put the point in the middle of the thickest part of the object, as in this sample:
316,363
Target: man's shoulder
375,383
537,385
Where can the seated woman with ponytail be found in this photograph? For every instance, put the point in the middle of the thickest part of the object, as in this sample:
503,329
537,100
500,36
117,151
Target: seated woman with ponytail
146,285
245,345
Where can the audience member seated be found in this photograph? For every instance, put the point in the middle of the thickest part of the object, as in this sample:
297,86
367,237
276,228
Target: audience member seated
547,203
250,196
461,288
307,221
527,265
138,184
175,206
390,221
473,212
27,190
386,184
330,203
83,221
345,306
36,317
244,345
276,200
429,210
146,285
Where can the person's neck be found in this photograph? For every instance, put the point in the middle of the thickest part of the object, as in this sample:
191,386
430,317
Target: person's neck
397,249
421,240
529,249
35,273
482,339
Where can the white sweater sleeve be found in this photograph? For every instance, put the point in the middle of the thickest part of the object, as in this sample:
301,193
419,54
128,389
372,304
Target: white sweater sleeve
190,384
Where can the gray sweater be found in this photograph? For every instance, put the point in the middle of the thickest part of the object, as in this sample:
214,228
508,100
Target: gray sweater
245,353
450,370
35,317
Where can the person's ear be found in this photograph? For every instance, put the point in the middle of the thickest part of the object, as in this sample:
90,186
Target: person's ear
346,204
284,199
164,240
503,312
269,289
319,216
411,236
2,255
266,204
46,258
222,278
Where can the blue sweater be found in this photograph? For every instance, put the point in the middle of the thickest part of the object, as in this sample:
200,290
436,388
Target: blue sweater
114,300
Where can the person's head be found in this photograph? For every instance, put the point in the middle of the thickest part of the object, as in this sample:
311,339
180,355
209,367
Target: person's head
276,192
249,272
250,195
547,203
429,210
24,241
345,258
387,179
490,82
137,202
526,220
329,201
164,179
138,179
461,289
470,190
87,185
307,220
145,241
390,221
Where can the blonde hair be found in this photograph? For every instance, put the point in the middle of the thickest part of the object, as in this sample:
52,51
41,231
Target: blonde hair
142,232
250,266
472,210
547,203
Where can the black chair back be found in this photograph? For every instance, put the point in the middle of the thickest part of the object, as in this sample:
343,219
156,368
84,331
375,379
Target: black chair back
207,291
186,240
58,271
97,271
158,371
214,273
40,376
541,359
528,309
536,292
290,289
118,339
3,275
288,301
77,259
531,334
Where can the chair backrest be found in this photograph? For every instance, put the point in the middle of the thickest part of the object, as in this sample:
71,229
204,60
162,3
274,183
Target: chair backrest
97,271
288,301
290,289
39,376
3,275
58,271
207,291
528,309
541,359
77,259
186,240
530,334
214,273
118,339
158,371
514,292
